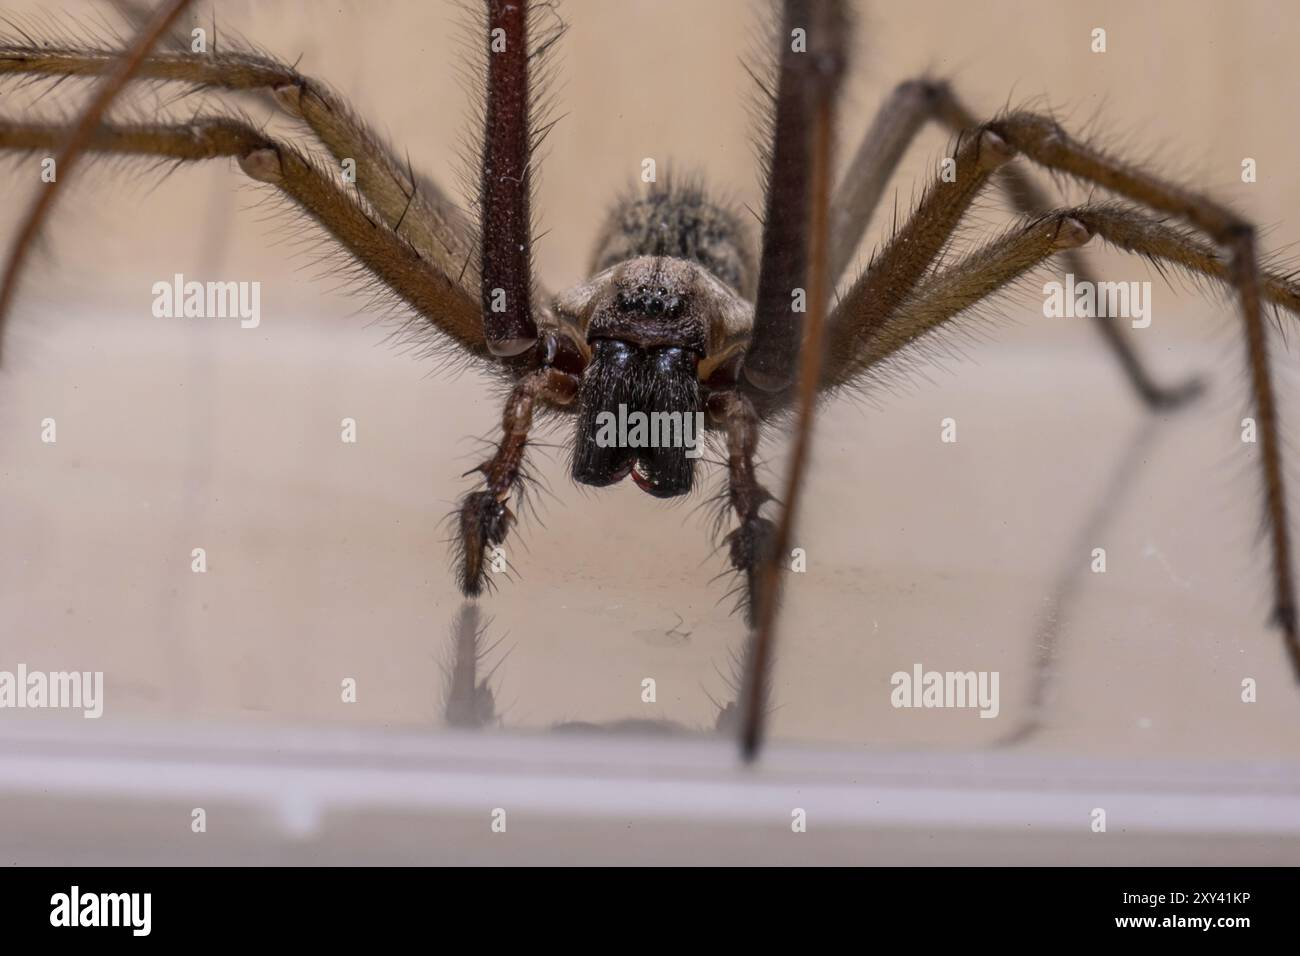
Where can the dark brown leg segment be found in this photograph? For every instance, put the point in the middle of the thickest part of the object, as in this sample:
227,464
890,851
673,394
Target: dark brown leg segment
826,30
771,361
748,543
506,253
485,516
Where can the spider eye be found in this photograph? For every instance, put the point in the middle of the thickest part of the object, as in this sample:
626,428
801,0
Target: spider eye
644,300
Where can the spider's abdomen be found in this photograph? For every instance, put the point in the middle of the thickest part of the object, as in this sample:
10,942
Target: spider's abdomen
682,222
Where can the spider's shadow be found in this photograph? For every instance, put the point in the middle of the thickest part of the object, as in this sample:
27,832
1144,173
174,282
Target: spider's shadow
1069,582
469,700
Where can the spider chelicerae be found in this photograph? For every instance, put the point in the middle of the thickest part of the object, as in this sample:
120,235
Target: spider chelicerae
684,314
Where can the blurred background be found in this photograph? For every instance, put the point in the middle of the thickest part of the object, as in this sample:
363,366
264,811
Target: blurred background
328,561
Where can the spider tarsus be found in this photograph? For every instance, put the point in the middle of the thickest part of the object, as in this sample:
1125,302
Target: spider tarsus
748,545
484,523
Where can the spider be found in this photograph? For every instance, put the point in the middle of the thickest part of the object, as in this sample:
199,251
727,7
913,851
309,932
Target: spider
683,313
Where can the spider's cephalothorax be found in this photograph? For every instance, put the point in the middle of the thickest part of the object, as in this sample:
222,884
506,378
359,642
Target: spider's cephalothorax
656,314
679,318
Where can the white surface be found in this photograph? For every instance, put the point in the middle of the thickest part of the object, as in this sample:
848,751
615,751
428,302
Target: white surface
363,797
